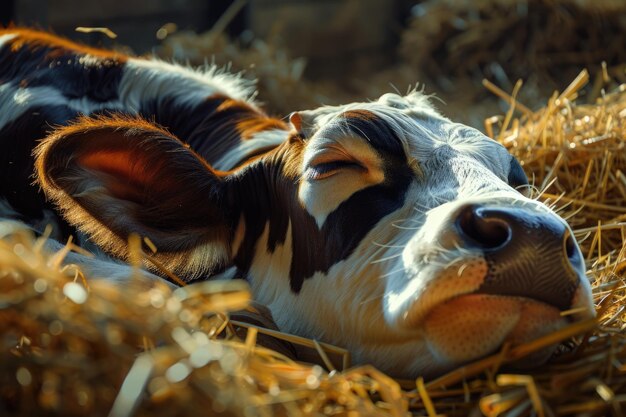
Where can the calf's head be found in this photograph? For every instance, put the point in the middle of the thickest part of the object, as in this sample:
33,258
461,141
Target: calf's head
382,227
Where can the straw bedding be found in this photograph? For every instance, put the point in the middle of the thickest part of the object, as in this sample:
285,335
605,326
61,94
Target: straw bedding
74,345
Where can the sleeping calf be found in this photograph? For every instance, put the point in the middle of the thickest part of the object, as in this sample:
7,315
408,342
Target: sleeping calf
382,227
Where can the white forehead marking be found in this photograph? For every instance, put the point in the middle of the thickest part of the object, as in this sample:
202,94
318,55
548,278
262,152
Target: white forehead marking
472,142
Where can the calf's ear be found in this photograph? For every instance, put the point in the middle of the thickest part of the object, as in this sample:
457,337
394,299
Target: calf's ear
113,176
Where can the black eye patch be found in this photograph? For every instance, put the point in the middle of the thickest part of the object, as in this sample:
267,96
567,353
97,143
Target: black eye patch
517,176
373,129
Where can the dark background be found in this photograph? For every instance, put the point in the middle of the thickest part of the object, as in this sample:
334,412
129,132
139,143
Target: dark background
311,52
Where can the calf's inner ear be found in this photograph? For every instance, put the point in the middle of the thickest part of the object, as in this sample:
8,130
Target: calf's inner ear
111,177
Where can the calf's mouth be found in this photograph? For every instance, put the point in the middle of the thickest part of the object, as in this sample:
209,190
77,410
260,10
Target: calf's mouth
474,325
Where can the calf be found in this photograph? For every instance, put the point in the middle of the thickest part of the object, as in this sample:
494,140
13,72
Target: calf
382,227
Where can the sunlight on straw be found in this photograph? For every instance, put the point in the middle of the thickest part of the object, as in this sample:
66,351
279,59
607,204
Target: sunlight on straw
106,31
130,393
428,404
531,387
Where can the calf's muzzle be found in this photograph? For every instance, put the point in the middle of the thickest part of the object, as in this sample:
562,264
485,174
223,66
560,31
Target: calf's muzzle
529,253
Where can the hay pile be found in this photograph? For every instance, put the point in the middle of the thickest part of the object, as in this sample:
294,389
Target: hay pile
451,46
577,157
73,345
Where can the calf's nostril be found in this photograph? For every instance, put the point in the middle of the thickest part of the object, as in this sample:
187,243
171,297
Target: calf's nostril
570,247
478,228
529,253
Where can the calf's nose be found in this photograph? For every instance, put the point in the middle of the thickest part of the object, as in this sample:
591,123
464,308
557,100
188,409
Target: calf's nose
529,253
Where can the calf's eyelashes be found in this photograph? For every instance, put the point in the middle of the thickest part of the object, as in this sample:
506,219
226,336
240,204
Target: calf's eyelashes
324,170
